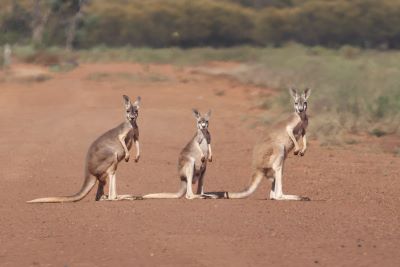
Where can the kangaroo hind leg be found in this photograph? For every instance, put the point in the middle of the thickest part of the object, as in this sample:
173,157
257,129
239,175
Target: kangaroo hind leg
200,186
189,172
276,190
100,190
111,175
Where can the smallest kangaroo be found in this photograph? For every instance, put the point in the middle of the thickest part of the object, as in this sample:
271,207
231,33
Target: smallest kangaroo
103,157
192,162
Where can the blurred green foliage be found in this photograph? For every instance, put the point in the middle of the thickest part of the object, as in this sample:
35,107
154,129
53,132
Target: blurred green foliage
186,23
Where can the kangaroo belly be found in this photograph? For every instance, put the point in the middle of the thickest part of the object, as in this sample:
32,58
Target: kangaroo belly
129,140
198,172
289,145
199,164
204,146
101,156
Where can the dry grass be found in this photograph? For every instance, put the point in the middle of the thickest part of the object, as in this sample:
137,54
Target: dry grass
132,77
354,91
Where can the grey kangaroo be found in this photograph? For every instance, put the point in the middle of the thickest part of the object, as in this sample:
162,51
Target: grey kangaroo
270,154
192,162
103,157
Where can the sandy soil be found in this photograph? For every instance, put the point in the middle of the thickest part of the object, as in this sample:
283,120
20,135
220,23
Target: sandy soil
47,126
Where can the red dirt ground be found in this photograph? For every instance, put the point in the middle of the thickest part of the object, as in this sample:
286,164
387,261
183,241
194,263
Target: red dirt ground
46,128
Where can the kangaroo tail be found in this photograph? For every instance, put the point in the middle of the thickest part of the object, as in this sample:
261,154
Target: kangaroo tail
179,194
255,181
88,184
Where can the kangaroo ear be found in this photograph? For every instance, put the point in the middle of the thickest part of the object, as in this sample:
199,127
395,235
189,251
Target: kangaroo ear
208,115
293,92
307,93
196,113
127,101
137,102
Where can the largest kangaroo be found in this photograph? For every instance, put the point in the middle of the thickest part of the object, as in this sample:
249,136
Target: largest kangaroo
103,157
270,154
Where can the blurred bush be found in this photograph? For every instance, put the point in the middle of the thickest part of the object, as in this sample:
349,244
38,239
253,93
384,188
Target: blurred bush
166,23
185,23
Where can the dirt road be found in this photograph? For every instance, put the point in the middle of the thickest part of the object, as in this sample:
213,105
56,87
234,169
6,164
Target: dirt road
46,128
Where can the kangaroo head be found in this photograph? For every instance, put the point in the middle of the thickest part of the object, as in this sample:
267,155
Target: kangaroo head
202,121
131,110
300,100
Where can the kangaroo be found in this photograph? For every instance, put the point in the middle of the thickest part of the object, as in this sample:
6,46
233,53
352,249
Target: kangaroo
103,157
270,154
192,162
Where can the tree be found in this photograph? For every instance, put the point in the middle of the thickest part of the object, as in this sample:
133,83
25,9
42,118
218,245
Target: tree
76,15
41,13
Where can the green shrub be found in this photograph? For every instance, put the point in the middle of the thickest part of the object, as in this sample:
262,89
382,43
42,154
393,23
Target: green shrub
187,23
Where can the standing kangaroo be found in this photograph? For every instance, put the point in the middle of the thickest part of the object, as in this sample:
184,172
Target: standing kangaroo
103,157
270,154
192,162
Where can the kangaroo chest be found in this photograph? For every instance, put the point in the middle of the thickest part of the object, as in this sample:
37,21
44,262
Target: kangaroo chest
299,124
203,144
128,140
200,166
132,135
204,140
300,128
